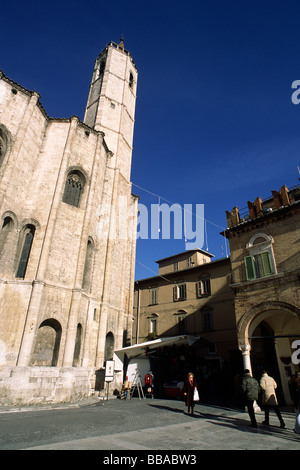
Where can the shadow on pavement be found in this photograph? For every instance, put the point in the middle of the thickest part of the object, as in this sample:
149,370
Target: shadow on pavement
238,423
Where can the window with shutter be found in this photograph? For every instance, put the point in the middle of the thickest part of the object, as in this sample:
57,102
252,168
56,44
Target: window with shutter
203,287
250,270
175,293
179,292
266,263
154,296
258,266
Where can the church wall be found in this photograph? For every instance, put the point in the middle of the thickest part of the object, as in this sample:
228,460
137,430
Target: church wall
34,385
14,298
79,272
12,105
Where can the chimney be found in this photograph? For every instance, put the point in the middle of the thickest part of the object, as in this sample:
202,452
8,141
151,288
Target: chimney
233,217
252,210
284,193
276,199
258,206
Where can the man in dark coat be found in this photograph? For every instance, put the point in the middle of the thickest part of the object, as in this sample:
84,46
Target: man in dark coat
250,389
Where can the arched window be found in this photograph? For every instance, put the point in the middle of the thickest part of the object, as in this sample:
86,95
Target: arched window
28,235
131,80
260,262
109,347
77,345
100,72
73,188
102,67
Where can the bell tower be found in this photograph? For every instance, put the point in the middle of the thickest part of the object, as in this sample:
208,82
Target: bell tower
111,103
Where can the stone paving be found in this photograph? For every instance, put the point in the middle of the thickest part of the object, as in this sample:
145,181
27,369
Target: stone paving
211,428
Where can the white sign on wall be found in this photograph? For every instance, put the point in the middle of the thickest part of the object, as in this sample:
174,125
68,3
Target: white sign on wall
109,371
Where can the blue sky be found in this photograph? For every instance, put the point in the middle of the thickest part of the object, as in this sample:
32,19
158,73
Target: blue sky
215,124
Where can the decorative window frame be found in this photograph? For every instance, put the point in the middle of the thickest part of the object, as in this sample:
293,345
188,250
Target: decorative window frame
265,249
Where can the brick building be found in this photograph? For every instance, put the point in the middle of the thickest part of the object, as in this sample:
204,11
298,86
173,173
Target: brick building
191,296
264,245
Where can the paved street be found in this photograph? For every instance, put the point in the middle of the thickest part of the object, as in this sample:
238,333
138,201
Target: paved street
140,425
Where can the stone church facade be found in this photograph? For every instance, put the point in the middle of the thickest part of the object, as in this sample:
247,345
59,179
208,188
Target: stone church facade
67,235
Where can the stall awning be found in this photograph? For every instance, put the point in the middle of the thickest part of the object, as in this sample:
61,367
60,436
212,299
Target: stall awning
139,349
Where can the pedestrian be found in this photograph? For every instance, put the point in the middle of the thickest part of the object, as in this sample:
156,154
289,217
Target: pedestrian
297,390
269,399
126,389
250,389
297,402
190,385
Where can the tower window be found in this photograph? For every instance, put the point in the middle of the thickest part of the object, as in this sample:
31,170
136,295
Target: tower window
73,188
102,67
131,80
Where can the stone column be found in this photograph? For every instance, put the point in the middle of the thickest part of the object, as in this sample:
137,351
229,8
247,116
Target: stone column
245,349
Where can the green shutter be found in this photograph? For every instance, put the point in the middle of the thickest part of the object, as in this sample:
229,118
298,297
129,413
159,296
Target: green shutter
266,262
250,269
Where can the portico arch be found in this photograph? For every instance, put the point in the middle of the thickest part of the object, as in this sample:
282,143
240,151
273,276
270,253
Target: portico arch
258,313
283,320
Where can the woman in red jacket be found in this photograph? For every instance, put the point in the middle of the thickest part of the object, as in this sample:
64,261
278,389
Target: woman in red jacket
190,385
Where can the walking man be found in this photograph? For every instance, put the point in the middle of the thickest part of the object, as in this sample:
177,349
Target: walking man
269,400
250,389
